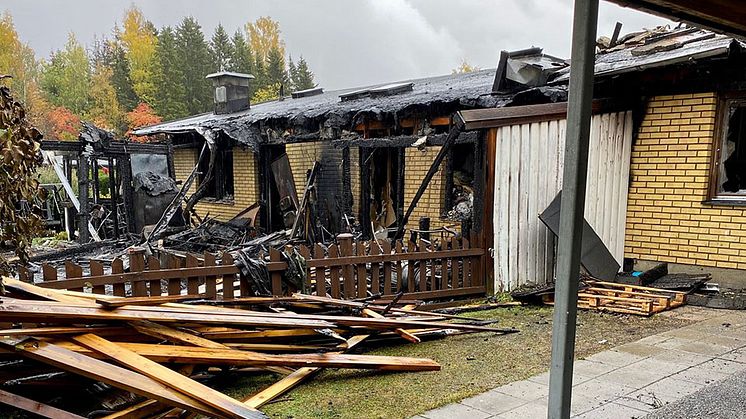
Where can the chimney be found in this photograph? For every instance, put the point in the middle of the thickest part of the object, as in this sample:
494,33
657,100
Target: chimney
231,91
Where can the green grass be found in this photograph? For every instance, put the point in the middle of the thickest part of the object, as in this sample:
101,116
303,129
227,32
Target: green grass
470,364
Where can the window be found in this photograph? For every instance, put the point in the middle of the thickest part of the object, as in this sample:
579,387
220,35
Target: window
731,173
220,185
459,182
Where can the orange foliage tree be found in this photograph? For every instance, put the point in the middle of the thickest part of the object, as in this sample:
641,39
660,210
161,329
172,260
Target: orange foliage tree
143,115
65,125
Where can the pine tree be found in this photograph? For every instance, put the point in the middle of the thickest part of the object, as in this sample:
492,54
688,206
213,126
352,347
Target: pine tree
221,49
194,60
304,76
260,73
242,60
276,67
292,75
170,82
120,77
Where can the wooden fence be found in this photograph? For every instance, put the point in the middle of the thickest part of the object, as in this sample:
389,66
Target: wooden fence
348,269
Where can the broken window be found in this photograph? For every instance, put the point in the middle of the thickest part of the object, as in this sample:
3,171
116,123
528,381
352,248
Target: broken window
383,181
459,194
220,185
732,173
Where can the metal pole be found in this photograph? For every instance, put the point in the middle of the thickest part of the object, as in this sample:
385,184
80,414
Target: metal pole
585,18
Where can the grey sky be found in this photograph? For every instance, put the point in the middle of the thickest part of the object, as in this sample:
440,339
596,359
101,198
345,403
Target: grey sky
346,42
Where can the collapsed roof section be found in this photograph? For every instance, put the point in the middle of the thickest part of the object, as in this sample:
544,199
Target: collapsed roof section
658,47
326,115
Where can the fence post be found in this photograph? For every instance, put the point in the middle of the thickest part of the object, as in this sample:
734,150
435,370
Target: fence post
274,256
345,248
137,264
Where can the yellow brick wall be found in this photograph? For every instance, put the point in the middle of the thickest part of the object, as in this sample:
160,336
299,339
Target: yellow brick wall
430,205
355,179
301,157
245,178
670,170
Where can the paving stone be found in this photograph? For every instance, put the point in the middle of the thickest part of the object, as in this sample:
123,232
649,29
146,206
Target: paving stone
700,375
675,356
639,349
591,368
583,403
601,389
665,391
456,411
722,366
702,348
639,403
653,339
634,377
493,402
738,355
535,409
686,333
613,411
526,390
612,357
577,378
657,367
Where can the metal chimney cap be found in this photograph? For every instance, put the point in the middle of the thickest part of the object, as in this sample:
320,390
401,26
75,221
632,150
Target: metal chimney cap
229,74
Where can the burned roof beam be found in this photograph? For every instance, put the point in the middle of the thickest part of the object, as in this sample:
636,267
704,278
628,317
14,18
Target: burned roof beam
403,140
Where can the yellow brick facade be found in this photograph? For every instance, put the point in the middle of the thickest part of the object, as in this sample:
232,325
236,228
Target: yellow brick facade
416,164
670,175
301,157
245,182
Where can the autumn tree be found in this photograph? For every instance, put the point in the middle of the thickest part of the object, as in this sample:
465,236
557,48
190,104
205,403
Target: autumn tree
264,36
194,60
105,111
142,116
19,158
66,77
464,67
171,100
17,60
64,124
139,41
221,49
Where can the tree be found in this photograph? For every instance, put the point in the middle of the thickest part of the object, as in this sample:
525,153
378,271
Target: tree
19,157
142,116
260,73
303,76
65,125
264,35
221,49
242,60
292,74
276,73
171,100
66,78
17,60
464,67
139,42
194,60
120,77
266,93
105,111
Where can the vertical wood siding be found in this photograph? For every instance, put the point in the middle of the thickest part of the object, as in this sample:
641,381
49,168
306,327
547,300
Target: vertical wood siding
528,174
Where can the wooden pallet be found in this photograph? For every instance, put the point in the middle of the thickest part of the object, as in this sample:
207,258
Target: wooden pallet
629,299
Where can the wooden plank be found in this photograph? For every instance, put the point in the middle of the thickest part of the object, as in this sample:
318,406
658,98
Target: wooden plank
211,290
399,268
334,272
137,265
456,264
38,291
73,271
411,280
443,283
144,409
345,247
362,273
102,371
37,408
117,353
154,285
214,356
399,331
49,273
174,284
276,277
228,279
514,210
375,269
320,272
192,281
97,268
305,252
422,283
144,301
117,267
63,330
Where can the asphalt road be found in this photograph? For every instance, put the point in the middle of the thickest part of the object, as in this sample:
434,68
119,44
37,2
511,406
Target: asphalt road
723,400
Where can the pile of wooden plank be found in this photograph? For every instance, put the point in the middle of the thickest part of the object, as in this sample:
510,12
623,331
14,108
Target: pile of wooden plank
628,299
163,356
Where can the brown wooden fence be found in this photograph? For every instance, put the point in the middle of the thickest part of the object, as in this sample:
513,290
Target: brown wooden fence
349,269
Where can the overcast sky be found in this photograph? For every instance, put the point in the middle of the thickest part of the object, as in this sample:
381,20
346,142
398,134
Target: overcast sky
347,43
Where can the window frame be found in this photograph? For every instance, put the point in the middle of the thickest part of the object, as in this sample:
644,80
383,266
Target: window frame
221,174
714,197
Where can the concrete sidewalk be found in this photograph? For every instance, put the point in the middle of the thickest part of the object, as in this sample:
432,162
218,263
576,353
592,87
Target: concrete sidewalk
628,381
